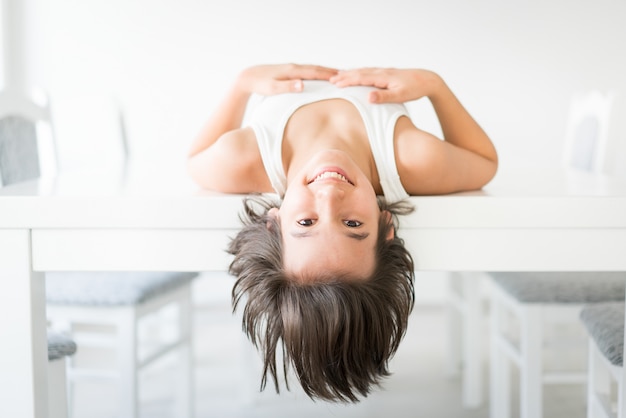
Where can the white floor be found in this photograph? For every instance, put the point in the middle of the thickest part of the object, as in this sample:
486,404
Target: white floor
228,375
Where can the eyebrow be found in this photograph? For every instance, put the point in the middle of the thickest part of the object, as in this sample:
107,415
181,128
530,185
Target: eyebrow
353,235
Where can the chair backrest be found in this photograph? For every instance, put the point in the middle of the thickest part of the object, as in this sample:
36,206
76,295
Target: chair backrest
587,133
90,131
20,142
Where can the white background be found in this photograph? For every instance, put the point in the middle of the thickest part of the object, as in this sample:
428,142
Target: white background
166,63
514,64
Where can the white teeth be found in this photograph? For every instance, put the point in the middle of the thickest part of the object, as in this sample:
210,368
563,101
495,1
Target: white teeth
331,174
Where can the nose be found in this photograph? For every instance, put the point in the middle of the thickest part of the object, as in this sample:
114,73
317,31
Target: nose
330,197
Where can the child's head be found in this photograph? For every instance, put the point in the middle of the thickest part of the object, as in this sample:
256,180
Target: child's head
329,219
337,329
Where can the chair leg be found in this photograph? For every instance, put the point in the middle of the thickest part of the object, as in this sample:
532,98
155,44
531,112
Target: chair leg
472,342
500,366
67,328
621,395
71,386
453,318
598,384
185,388
531,366
57,393
127,360
621,390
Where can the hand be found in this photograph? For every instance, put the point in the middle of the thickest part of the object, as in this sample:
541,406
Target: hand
282,78
394,85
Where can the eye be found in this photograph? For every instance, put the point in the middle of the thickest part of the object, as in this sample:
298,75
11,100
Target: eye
305,222
352,224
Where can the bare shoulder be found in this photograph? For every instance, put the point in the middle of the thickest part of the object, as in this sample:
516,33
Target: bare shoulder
428,165
231,165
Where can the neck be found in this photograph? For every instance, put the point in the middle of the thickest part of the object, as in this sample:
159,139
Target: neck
330,124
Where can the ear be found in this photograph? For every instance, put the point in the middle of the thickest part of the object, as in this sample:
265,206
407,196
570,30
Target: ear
389,220
273,212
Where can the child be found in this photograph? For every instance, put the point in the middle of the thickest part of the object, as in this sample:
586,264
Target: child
323,270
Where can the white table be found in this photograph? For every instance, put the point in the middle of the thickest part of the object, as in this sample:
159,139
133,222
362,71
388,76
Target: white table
525,220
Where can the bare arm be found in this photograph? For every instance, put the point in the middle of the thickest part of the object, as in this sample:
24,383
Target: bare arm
467,156
263,79
227,117
221,137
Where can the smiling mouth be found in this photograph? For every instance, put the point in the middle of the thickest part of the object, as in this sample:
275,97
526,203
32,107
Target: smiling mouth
331,175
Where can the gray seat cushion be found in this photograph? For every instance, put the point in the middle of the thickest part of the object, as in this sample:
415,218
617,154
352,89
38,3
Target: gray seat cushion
605,324
19,159
110,288
567,287
59,346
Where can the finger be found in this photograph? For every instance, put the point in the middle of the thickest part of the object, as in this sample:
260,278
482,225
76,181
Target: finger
378,96
361,70
286,86
311,72
360,78
385,96
324,70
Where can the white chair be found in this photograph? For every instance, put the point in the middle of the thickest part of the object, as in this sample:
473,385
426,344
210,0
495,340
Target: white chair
20,140
88,305
605,325
534,301
531,304
118,300
60,348
466,318
468,293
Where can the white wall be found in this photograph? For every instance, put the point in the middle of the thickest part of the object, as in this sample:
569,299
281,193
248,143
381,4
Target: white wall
513,64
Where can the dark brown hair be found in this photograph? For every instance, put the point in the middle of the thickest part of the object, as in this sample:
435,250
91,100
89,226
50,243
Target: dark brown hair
338,334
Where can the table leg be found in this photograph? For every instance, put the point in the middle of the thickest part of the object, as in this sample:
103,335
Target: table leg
23,351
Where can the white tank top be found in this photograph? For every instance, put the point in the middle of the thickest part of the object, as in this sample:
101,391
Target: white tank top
269,115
